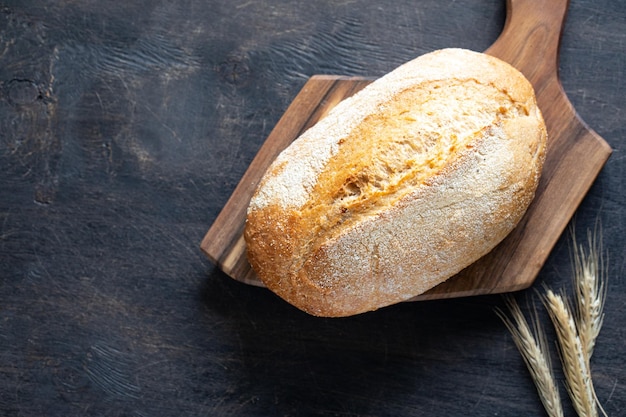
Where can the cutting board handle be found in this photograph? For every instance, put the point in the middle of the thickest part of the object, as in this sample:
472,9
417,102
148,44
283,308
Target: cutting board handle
530,38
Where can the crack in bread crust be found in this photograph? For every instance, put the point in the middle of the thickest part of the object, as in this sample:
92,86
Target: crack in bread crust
411,139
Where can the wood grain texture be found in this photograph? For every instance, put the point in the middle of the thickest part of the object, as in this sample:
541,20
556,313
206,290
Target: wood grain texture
125,127
575,156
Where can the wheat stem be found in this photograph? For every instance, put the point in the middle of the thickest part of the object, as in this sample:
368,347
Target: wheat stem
533,347
590,292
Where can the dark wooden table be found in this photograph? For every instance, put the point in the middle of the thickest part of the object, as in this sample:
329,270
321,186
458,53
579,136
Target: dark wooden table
125,126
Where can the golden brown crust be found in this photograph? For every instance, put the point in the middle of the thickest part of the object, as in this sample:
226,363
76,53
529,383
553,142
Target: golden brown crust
400,187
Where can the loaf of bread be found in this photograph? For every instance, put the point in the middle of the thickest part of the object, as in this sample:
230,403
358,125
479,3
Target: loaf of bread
400,186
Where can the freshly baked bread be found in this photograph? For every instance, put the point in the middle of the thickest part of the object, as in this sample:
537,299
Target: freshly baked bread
399,187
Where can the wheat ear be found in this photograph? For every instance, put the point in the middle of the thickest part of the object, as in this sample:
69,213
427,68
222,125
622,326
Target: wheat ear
590,291
533,347
573,356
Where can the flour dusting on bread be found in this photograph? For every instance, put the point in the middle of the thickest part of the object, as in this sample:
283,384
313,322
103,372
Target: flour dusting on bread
400,186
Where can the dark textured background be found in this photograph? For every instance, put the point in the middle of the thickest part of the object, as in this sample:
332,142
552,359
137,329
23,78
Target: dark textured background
125,126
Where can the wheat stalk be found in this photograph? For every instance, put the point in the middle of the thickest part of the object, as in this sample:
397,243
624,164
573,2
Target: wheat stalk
576,332
573,356
532,345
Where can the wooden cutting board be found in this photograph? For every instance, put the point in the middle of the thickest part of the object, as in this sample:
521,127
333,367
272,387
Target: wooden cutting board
575,156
